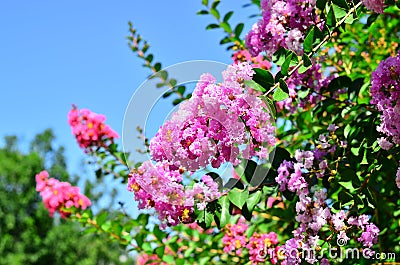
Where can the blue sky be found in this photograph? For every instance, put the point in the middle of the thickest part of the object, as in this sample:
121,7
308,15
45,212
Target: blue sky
55,53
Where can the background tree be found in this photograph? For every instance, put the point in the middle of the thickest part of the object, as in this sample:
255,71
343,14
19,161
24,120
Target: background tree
28,234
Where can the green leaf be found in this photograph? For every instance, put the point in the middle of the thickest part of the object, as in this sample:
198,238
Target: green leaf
204,2
347,130
227,16
202,12
250,169
181,90
215,13
279,94
283,86
339,12
215,4
225,215
264,78
308,43
238,29
139,238
271,109
157,67
168,259
254,85
355,150
149,58
364,160
238,197
253,200
163,75
101,218
147,247
303,69
348,185
172,82
279,56
306,60
331,19
286,64
303,93
160,235
226,27
341,3
160,251
212,26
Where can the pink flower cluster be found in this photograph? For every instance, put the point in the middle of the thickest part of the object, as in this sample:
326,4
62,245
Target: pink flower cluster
256,61
89,128
376,6
283,25
217,125
313,214
261,247
58,196
385,92
159,186
235,238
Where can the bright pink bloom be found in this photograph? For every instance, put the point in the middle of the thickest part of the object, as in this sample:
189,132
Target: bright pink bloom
59,195
89,128
235,238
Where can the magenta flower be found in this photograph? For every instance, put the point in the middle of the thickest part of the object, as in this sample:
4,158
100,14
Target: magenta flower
89,128
58,196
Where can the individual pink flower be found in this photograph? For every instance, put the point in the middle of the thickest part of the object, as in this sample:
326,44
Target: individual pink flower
262,247
89,128
58,196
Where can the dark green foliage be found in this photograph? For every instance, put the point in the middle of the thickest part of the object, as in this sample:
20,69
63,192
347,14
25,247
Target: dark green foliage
28,234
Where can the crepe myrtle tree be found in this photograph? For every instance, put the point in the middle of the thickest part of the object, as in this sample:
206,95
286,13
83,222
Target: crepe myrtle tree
310,104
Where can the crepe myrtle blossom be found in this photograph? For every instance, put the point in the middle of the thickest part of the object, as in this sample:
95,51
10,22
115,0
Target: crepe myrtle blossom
90,129
385,92
263,247
58,196
159,186
315,216
220,123
235,238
